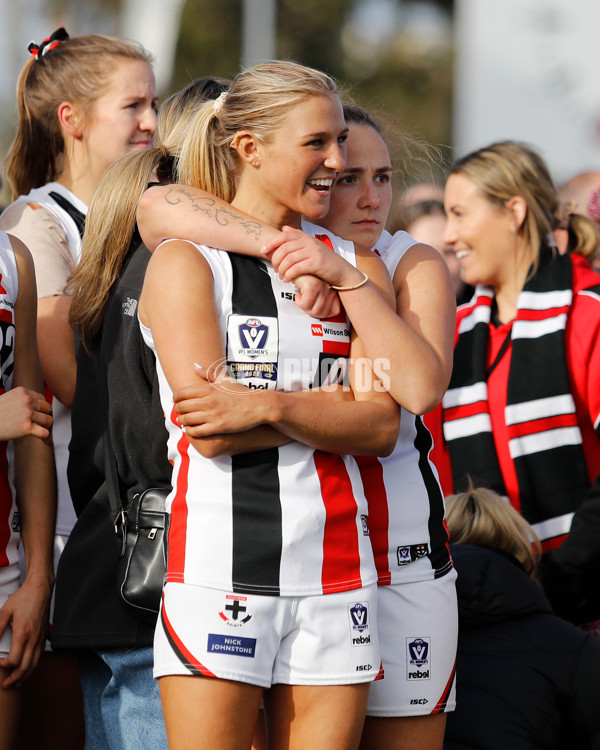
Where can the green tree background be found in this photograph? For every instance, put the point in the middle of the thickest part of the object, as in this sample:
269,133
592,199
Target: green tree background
414,89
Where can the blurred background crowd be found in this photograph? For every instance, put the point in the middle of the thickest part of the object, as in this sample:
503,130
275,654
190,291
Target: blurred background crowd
458,73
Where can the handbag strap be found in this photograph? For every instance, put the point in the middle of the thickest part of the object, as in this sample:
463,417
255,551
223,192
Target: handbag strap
118,512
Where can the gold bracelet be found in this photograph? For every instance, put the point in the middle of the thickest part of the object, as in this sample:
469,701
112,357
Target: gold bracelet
350,288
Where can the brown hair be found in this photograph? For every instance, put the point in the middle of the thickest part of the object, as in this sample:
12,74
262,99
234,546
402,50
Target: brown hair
76,71
408,154
583,235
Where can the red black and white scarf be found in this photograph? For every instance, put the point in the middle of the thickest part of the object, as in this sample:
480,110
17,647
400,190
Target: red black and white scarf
544,438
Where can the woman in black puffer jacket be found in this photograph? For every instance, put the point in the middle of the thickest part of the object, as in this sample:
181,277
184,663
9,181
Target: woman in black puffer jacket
525,678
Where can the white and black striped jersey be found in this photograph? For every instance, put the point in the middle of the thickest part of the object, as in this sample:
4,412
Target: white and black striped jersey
406,505
287,521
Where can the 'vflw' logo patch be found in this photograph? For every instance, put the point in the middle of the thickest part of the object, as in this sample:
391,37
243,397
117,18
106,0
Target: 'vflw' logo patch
253,335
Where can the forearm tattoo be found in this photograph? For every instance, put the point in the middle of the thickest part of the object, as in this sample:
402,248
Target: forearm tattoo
208,206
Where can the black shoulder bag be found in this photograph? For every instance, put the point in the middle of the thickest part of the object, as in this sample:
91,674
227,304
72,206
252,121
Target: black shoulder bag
142,527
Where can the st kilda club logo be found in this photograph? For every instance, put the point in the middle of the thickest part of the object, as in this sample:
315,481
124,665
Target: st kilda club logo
235,612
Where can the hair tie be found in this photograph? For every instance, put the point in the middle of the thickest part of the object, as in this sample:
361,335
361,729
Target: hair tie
165,169
58,36
219,102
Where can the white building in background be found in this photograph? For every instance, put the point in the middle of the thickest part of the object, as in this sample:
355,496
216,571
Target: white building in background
155,24
528,70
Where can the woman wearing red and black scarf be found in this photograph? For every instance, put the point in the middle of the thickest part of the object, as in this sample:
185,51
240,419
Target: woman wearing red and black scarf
521,415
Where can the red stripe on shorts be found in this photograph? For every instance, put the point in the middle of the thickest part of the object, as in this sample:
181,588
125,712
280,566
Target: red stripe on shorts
184,655
441,704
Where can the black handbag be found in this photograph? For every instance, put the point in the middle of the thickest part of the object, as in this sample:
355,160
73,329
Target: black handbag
142,527
142,565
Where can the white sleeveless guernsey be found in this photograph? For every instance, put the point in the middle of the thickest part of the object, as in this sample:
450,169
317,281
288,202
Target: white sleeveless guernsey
406,504
288,521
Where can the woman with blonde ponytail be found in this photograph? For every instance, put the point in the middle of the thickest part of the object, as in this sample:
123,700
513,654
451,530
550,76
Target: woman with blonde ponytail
522,413
270,580
576,233
115,398
110,227
580,212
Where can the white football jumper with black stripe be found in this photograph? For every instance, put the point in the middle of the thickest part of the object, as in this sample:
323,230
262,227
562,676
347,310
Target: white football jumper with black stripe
406,504
287,521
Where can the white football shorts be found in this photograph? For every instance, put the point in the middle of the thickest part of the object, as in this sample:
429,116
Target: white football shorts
418,631
263,640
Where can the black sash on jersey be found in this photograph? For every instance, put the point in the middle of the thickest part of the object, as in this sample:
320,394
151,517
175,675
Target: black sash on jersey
73,212
439,554
257,520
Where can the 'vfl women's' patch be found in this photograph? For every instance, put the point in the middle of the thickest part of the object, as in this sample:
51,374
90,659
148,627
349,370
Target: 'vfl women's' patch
360,633
252,350
418,658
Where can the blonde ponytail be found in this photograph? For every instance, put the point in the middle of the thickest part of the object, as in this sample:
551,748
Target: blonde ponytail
203,162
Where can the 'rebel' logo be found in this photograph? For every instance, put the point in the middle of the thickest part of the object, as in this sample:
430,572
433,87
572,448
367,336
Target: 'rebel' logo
418,649
359,617
419,675
253,335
